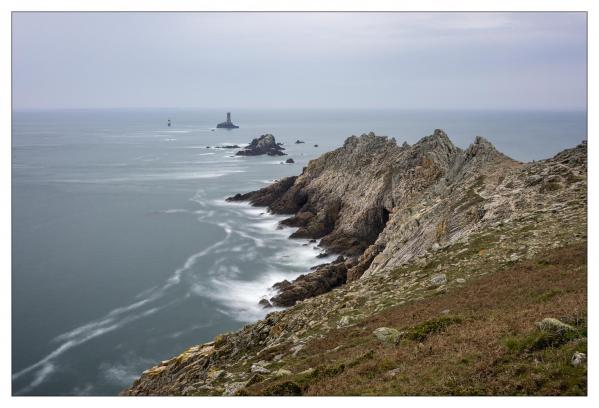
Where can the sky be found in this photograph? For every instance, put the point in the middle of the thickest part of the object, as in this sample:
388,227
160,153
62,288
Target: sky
299,60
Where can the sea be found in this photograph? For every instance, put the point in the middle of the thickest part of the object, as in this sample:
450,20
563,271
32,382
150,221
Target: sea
125,252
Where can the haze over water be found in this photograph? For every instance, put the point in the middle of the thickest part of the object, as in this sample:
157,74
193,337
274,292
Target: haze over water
124,251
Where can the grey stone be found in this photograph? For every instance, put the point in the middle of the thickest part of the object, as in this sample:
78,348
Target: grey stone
578,359
438,279
387,335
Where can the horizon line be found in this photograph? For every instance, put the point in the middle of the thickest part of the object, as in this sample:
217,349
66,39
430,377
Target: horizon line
231,109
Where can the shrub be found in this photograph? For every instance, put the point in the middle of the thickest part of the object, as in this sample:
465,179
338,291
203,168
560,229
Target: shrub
422,331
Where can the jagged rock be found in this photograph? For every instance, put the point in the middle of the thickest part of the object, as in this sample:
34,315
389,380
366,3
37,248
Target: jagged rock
264,303
289,161
265,144
317,282
578,359
554,326
387,335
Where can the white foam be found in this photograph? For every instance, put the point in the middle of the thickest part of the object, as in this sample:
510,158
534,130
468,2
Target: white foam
240,297
156,177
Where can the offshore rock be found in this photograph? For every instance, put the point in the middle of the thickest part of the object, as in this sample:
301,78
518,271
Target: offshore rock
265,144
227,124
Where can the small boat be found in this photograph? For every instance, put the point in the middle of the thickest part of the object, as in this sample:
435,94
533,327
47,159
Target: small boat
169,123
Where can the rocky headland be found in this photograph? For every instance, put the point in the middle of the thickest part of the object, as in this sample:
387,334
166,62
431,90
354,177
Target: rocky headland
450,260
265,144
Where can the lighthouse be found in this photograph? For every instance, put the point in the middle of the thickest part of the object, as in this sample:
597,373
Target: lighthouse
228,124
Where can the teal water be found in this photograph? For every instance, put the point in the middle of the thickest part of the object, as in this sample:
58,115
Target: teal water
124,252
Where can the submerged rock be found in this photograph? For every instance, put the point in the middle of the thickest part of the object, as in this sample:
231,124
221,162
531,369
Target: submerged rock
265,144
227,147
289,161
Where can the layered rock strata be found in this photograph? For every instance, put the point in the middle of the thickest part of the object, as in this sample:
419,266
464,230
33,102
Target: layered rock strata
382,204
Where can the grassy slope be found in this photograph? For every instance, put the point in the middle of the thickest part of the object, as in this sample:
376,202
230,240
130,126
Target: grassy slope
478,339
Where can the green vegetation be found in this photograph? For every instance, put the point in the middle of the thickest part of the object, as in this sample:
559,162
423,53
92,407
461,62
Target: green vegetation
437,325
489,345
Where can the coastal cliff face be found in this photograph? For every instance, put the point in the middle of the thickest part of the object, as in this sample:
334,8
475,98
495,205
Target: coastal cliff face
383,205
415,225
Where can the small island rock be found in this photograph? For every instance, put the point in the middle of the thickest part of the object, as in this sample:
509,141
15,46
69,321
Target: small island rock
265,144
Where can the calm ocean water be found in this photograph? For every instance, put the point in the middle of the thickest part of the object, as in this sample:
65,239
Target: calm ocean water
124,252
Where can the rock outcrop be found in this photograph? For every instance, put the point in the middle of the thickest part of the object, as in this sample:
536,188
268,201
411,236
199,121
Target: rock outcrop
384,205
265,144
324,278
413,222
227,124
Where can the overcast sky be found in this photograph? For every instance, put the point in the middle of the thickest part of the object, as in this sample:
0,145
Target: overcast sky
300,60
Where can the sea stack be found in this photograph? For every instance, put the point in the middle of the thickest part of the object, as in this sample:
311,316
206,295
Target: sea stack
265,144
227,124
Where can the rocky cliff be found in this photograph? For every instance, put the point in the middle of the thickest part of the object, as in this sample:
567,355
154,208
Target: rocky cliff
411,222
383,205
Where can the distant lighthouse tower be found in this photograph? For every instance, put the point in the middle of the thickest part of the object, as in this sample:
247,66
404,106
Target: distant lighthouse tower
227,124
